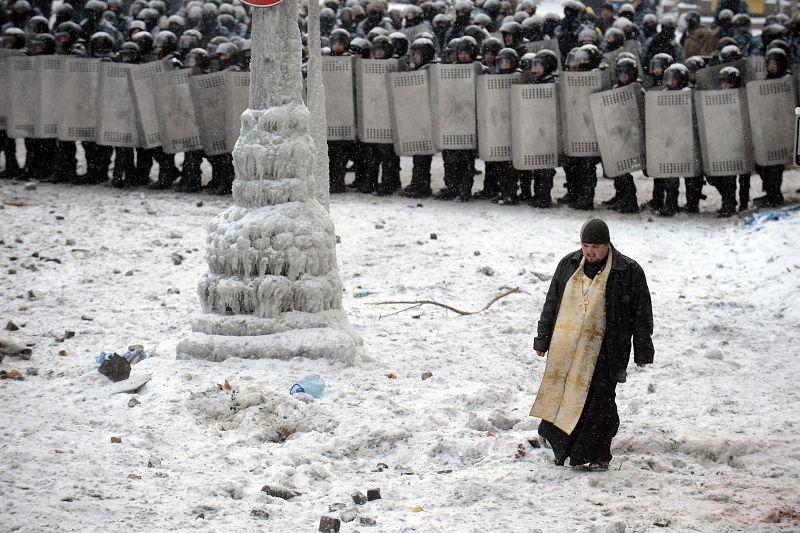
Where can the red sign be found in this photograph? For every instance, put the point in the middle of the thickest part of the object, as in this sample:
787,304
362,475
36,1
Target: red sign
261,3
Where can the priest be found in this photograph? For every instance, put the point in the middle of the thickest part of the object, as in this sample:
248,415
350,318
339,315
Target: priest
598,304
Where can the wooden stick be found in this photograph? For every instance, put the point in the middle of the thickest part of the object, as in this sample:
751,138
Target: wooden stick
417,303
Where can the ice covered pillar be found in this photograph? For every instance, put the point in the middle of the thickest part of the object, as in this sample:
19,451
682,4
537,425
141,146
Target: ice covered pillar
272,289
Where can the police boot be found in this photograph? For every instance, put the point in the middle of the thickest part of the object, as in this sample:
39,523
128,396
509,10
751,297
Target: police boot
670,206
224,173
694,188
525,180
12,167
657,201
585,198
612,202
772,188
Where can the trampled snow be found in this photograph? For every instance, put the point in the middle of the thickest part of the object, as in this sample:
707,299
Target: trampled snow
709,435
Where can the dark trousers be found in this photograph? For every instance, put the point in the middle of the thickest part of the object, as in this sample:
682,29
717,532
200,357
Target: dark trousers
458,172
771,182
9,147
543,183
98,159
590,441
726,185
222,172
383,164
694,192
420,185
339,153
124,167
491,180
40,156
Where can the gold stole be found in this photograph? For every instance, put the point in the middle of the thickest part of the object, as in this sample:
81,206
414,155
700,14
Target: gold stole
574,348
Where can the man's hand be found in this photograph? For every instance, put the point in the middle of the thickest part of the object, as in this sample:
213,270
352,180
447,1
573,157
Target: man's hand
540,354
641,365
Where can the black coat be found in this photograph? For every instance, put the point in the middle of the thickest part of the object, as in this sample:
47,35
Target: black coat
629,312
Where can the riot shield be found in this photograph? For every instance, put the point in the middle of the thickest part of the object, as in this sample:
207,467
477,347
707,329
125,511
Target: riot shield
535,126
410,104
48,69
770,104
672,146
414,31
340,112
208,96
140,79
706,77
78,113
547,44
116,113
372,100
237,101
453,106
494,115
576,111
633,46
177,119
724,131
756,68
618,122
24,97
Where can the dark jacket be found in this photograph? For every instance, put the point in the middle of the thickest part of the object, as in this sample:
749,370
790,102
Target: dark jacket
629,312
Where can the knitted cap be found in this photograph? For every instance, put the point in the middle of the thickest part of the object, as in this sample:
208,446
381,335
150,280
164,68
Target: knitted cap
595,231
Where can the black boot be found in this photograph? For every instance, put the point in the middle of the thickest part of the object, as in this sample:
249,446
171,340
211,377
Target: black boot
670,206
728,193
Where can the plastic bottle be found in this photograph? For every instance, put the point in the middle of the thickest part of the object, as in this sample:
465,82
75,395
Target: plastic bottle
360,293
313,385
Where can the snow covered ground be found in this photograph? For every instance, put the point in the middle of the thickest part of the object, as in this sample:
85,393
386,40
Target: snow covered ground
709,437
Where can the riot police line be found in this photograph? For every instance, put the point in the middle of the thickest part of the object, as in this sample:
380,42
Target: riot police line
702,132
119,104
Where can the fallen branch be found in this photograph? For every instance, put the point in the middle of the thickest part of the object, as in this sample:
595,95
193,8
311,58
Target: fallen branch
417,303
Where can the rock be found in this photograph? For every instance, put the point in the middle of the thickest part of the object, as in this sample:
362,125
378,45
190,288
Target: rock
63,353
434,236
153,462
134,475
87,317
68,334
338,506
12,374
177,258
543,277
31,295
617,527
476,253
328,524
714,354
199,204
175,235
373,494
133,402
116,440
59,338
32,371
534,443
116,368
12,271
261,514
349,515
279,492
662,522
651,388
338,240
380,467
70,242
378,226
11,348
486,271
427,375
30,186
59,217
367,521
10,326
129,273
173,290
359,498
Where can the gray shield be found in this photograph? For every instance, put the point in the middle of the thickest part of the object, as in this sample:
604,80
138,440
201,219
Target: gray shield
117,124
48,70
5,69
724,129
494,115
453,106
547,44
372,100
237,101
177,119
24,97
756,68
706,77
140,79
340,109
576,110
414,129
672,146
535,126
209,95
78,113
618,122
769,104
414,31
